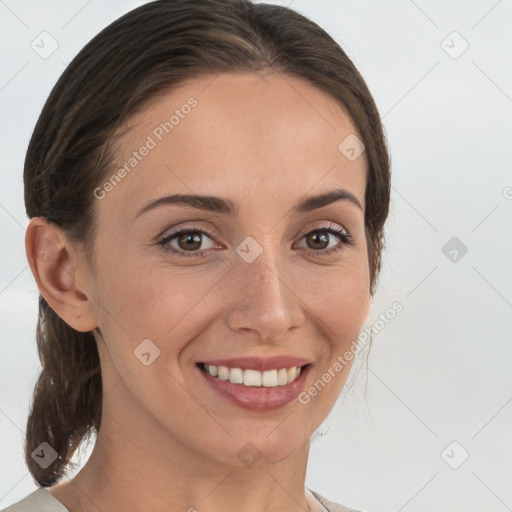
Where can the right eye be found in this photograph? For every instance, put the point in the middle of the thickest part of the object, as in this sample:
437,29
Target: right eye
185,236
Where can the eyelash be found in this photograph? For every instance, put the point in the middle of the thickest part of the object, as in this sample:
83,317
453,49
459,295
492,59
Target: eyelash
341,234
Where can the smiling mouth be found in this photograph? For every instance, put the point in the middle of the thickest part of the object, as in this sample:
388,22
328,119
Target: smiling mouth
254,378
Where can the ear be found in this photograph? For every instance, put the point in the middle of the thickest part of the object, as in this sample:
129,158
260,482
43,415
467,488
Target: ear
54,264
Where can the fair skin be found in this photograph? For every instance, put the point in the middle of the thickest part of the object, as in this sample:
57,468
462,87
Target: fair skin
168,441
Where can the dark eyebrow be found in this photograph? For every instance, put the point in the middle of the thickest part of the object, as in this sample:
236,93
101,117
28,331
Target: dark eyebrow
314,202
228,207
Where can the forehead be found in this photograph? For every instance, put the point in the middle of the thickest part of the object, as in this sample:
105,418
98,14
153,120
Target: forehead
233,131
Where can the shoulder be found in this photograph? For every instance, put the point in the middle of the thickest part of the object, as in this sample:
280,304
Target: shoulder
38,501
331,506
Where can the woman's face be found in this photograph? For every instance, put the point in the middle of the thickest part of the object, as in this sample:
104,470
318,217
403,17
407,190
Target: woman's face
260,286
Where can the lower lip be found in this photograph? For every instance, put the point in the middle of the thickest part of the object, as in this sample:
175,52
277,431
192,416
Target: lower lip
256,398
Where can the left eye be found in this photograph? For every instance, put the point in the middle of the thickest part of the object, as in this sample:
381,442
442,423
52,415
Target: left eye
321,235
190,239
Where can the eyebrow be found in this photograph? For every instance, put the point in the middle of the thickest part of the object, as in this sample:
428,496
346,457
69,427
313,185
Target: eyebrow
227,207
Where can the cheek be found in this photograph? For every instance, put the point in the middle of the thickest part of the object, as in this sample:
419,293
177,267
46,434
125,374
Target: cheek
340,307
168,305
341,299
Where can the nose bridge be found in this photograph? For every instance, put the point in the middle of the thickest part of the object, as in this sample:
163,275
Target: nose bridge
262,278
266,273
262,299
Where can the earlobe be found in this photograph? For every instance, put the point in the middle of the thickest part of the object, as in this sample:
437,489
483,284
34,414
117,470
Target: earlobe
54,266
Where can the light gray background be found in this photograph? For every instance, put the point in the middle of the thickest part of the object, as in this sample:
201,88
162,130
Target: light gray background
441,370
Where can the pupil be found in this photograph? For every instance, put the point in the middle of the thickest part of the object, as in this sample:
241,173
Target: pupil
191,239
322,238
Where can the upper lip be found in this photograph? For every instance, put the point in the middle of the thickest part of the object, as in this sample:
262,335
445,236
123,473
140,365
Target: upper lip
259,363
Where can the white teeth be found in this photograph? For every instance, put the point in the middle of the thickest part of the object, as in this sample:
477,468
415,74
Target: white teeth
236,376
252,378
249,377
269,379
223,372
292,373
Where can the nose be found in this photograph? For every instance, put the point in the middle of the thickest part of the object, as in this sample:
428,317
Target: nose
265,299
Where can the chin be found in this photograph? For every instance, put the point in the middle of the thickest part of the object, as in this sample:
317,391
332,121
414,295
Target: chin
271,445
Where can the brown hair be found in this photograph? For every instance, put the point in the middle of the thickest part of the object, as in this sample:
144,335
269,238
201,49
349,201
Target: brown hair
144,53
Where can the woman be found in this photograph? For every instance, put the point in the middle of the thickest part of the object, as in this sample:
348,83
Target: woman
245,132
